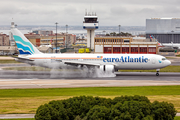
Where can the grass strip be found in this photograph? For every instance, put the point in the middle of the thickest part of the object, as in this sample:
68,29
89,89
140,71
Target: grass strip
94,91
8,61
25,105
177,118
28,100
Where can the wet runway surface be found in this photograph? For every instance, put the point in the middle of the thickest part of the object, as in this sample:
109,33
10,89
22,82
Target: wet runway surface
42,79
77,75
10,79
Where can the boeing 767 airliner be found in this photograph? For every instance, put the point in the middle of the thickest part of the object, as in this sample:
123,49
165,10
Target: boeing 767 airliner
28,53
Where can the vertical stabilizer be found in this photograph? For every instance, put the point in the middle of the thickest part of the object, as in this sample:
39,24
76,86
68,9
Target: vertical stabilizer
25,47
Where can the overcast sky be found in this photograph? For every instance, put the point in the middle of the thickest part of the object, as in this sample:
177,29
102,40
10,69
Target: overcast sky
71,12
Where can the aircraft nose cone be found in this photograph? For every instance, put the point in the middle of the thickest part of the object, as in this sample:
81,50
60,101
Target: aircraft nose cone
169,62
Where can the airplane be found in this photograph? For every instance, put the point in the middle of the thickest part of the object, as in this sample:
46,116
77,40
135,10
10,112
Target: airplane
152,37
172,45
28,53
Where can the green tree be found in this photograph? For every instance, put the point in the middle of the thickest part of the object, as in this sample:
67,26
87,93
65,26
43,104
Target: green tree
132,109
98,113
123,108
163,111
43,112
122,99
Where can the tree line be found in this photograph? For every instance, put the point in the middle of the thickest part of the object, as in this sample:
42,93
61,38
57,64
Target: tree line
97,108
117,34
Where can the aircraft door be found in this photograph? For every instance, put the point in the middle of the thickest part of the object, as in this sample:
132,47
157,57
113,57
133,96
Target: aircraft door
153,61
45,61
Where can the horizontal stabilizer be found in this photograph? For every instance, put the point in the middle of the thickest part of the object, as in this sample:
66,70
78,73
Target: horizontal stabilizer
20,58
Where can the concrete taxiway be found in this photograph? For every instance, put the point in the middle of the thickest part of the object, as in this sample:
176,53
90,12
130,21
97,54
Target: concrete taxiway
54,83
14,116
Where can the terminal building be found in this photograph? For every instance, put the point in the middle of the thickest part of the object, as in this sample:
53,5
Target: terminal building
4,40
50,39
165,30
125,45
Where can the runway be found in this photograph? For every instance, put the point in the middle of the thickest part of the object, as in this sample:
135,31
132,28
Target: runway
76,75
59,79
42,79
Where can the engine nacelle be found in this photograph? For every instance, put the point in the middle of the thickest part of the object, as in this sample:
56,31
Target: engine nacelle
107,68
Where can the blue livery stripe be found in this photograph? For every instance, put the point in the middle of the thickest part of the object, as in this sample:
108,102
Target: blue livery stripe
24,53
24,48
17,38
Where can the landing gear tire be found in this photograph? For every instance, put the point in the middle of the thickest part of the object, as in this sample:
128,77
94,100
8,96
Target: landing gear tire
157,74
157,70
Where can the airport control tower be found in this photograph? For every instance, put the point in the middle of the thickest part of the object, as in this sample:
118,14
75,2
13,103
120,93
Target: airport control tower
90,23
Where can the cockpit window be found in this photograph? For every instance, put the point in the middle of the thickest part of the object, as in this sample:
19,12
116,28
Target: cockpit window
163,58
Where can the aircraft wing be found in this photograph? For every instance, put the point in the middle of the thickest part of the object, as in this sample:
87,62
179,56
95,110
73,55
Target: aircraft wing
25,59
76,63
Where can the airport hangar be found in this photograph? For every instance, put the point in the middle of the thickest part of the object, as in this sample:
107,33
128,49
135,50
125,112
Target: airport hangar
165,30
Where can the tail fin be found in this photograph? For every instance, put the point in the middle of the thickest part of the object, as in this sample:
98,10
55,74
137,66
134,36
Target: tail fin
152,36
25,47
159,44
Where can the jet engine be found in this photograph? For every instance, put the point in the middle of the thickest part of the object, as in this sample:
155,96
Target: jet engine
107,68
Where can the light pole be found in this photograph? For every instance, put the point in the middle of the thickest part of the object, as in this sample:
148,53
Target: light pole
172,35
56,36
66,34
119,29
104,32
172,38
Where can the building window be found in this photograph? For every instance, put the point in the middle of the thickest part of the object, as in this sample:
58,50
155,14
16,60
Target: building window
125,49
116,49
152,50
143,50
107,49
134,49
126,41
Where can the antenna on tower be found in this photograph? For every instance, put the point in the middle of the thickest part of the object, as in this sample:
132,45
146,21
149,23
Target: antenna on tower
86,12
90,9
12,24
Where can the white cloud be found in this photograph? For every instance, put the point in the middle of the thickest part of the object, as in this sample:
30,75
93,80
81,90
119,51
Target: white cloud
71,12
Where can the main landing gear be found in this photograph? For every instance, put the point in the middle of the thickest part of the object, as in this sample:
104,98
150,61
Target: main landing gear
157,72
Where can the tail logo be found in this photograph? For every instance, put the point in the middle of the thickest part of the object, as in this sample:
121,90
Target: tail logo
23,46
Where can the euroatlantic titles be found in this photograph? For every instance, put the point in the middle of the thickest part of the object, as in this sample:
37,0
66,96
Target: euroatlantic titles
126,59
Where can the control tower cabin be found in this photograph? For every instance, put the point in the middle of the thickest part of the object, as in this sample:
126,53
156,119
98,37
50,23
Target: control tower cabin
90,23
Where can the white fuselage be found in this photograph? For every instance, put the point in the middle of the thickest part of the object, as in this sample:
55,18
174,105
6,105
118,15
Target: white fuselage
120,61
177,45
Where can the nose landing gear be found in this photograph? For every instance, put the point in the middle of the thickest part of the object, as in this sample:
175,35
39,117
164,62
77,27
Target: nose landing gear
157,72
